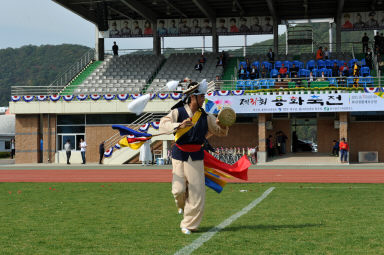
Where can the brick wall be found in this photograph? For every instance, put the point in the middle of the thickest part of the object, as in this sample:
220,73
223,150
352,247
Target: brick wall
326,133
94,135
239,135
49,148
27,138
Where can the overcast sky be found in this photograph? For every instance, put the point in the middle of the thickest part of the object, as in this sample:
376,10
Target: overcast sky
38,22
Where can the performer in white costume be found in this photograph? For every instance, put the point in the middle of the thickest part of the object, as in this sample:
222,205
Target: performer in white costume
145,153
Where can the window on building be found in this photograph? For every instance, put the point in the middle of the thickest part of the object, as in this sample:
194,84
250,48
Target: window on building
7,145
367,116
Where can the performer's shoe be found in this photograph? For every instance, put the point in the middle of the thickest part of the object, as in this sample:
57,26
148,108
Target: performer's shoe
180,211
185,231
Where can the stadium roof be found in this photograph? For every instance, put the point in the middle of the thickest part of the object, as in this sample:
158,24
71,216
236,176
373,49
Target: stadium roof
169,9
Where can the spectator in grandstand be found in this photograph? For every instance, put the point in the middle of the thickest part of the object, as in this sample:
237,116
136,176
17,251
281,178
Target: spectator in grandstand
183,27
344,148
365,41
254,73
322,77
297,81
263,71
294,70
319,53
83,149
344,69
136,29
341,79
202,59
326,53
220,61
243,26
242,73
13,151
222,28
255,27
207,29
113,32
372,22
267,28
125,31
380,62
369,58
269,144
247,65
199,66
195,29
101,152
356,69
148,27
278,79
359,24
335,70
271,56
233,28
172,30
67,148
115,49
347,24
335,148
283,71
161,30
311,78
377,40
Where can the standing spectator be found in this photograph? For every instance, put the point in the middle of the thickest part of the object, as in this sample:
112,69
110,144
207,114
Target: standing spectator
344,148
377,40
68,149
233,28
326,53
145,153
282,140
172,30
220,61
115,49
247,65
295,141
359,24
13,151
198,66
271,56
113,32
195,29
365,41
161,30
202,59
207,29
243,26
269,143
125,31
319,53
335,70
369,58
101,152
256,26
335,148
148,27
264,71
41,150
283,71
83,149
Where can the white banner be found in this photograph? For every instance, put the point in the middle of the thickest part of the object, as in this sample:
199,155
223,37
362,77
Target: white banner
341,102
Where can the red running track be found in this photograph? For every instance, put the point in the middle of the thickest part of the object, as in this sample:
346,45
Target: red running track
165,175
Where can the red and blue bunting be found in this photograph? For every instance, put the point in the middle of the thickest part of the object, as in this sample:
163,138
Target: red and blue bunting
117,146
152,96
108,152
68,98
82,97
155,124
16,98
237,92
144,128
95,97
54,98
41,98
109,97
372,90
28,98
134,96
123,97
176,96
211,93
223,92
162,96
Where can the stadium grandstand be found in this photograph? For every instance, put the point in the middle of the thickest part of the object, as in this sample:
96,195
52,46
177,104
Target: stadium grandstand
308,92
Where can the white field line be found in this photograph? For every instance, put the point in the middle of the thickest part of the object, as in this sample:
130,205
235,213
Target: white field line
210,233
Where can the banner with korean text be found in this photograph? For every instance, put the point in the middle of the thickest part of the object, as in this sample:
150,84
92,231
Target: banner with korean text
331,102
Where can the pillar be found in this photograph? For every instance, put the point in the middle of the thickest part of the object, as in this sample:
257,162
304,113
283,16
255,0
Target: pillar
156,40
338,35
99,46
262,153
215,38
330,37
343,129
276,38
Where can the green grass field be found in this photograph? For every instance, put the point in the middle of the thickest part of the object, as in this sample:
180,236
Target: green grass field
138,218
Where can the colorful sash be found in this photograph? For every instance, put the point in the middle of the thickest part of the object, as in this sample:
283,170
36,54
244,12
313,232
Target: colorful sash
182,131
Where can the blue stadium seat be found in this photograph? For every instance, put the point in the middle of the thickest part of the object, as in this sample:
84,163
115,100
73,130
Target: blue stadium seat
363,63
270,83
303,73
341,63
298,64
264,84
257,64
351,62
332,82
240,85
288,64
267,65
329,63
314,72
311,64
325,70
350,81
321,64
274,73
256,84
364,71
278,64
362,81
243,63
370,81
249,84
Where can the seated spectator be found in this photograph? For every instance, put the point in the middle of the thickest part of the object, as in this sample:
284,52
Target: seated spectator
322,77
311,78
344,69
294,70
298,81
220,61
264,71
242,73
283,71
341,79
319,53
335,148
335,70
278,79
198,66
254,73
202,59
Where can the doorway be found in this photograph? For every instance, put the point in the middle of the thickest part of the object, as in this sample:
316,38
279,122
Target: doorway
304,132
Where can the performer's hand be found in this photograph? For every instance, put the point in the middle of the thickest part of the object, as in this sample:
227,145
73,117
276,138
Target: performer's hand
219,124
186,123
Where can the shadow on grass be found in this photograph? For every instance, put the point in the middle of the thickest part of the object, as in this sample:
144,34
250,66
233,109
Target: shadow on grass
259,227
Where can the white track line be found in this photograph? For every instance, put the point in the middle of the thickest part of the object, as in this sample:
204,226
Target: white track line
210,233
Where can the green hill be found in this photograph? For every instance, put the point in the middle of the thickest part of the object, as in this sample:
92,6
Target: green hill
34,65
